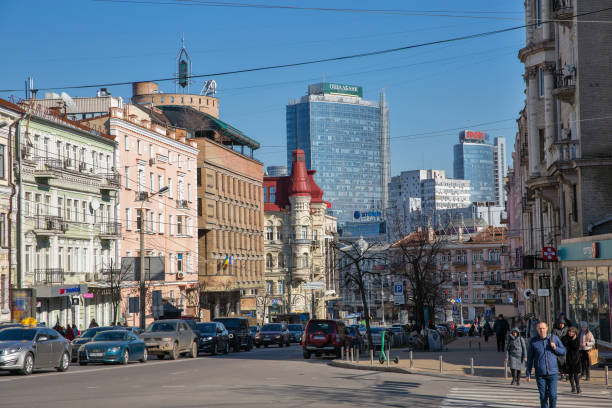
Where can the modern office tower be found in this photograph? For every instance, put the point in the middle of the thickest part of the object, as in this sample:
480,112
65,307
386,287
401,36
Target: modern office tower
277,171
500,170
474,161
346,140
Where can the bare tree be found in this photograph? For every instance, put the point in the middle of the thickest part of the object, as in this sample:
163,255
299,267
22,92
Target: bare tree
415,260
116,279
359,265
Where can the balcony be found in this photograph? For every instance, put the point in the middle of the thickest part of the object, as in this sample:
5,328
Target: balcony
141,195
534,262
509,285
493,282
48,168
182,204
49,225
563,11
460,283
111,182
565,84
492,262
110,230
459,263
49,276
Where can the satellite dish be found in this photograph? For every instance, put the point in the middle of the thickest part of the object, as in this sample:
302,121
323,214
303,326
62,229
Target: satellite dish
95,204
528,293
70,105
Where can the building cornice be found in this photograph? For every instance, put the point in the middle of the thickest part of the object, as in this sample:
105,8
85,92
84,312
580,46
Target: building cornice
153,135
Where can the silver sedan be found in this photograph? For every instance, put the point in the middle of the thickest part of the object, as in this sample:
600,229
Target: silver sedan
25,349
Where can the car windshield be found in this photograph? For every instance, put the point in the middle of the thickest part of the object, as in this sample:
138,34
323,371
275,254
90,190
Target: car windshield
110,336
295,327
232,324
271,327
207,327
89,333
325,327
161,327
17,334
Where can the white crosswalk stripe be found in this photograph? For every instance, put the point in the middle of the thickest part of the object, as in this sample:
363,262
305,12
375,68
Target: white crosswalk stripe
505,396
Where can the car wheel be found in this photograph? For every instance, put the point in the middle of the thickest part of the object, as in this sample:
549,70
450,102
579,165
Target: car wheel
126,357
250,345
194,350
145,356
280,343
236,345
28,364
306,355
214,349
174,354
64,363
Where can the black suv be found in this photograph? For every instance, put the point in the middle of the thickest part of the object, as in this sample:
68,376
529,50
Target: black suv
239,335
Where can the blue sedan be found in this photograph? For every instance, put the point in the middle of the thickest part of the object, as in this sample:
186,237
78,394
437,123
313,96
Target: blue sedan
113,346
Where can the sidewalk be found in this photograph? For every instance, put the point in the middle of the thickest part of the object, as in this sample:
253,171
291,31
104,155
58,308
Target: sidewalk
456,361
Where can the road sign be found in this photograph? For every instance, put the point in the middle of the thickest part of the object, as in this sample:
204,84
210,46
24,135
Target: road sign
313,285
543,292
398,288
458,300
398,300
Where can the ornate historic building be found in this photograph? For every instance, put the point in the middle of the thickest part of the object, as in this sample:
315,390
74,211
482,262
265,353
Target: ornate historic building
298,244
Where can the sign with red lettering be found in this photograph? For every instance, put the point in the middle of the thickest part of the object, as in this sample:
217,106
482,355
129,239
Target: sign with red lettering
549,253
473,135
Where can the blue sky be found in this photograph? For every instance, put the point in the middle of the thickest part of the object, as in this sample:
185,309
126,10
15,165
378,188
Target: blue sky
430,91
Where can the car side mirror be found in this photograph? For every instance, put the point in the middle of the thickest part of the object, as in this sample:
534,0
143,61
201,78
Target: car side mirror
42,338
219,330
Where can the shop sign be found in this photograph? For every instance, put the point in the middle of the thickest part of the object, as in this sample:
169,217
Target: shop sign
549,253
543,292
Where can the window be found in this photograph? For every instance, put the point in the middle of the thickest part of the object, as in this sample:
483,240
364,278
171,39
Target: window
199,176
138,219
269,261
279,233
179,225
152,182
3,230
281,260
269,232
2,162
171,224
140,180
305,260
280,287
304,233
199,207
180,161
161,223
170,187
69,260
128,219
151,151
139,146
541,82
179,262
272,194
68,209
84,211
538,6
265,194
127,177
171,255
188,192
27,208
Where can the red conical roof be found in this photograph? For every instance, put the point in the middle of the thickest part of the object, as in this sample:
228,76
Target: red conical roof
315,191
299,181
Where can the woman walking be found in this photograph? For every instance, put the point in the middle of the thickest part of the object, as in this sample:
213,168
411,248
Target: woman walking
587,341
516,355
573,365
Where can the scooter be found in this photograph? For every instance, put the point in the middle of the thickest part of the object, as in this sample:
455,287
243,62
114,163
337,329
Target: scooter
383,355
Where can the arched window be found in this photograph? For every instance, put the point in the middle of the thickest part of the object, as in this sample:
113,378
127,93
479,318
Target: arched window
269,261
269,233
281,260
305,260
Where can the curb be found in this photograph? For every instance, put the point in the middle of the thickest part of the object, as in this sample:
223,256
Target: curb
399,370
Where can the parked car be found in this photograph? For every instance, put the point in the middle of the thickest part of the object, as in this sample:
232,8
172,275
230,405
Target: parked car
86,336
442,329
273,333
238,328
324,337
25,349
170,338
214,337
377,336
253,331
193,325
356,338
462,331
296,331
113,346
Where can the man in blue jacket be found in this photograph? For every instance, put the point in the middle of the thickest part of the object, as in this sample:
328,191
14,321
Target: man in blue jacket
542,355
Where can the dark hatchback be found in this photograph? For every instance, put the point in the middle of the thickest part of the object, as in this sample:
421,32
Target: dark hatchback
273,333
238,329
296,332
214,338
86,337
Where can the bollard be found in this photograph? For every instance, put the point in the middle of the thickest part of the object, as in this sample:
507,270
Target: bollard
388,357
472,365
440,362
506,369
371,357
411,362
353,354
357,356
350,354
342,353
607,378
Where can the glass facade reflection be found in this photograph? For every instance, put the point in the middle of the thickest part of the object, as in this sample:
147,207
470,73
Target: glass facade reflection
346,141
588,295
474,162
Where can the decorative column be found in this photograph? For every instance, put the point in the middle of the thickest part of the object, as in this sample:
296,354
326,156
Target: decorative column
532,128
546,15
549,112
528,21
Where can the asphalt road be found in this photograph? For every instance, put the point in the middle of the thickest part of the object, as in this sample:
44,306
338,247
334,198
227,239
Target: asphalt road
262,377
257,378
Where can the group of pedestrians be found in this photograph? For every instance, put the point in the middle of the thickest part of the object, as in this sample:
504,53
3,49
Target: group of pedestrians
69,332
562,352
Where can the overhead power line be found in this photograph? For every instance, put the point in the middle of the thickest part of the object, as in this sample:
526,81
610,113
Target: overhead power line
321,60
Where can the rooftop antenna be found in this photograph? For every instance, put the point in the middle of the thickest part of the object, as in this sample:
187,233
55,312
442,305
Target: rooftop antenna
183,66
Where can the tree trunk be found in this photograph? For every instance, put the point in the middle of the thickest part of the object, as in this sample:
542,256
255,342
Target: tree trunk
364,301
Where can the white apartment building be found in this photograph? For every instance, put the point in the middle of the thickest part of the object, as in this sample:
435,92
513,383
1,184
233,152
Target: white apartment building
500,169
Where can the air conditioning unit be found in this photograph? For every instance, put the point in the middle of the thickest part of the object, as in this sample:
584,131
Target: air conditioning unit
180,275
151,161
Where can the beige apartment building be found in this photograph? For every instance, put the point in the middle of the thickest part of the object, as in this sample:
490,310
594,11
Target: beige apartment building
564,158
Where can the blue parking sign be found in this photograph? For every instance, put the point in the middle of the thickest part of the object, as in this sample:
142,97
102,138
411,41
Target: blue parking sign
398,289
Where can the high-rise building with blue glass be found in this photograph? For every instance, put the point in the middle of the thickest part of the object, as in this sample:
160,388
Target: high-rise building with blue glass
474,161
346,140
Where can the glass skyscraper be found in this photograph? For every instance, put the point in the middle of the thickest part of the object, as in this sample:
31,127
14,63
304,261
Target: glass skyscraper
346,140
473,160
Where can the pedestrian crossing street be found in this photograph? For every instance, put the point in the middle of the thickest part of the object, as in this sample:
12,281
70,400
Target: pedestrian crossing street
506,396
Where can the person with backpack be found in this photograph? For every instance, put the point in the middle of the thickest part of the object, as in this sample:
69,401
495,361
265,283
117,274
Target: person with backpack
542,355
573,365
516,355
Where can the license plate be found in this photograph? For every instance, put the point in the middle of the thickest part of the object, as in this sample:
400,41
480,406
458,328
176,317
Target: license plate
266,338
151,344
96,354
318,337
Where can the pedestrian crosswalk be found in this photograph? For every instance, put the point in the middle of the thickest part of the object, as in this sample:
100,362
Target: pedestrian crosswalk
506,396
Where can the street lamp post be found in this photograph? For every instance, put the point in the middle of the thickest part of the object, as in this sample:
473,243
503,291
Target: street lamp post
461,302
143,292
